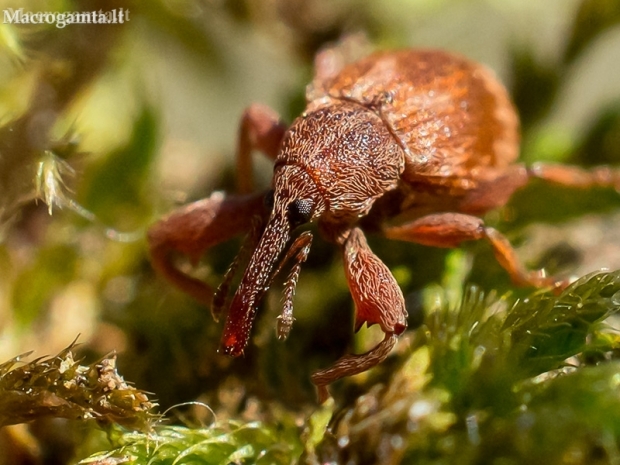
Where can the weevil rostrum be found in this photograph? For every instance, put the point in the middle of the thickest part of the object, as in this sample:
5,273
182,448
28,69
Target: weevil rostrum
414,144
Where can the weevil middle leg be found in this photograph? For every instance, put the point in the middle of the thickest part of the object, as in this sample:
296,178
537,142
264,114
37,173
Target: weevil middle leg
451,229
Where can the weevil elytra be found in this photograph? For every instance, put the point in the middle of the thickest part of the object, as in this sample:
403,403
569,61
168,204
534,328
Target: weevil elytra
415,144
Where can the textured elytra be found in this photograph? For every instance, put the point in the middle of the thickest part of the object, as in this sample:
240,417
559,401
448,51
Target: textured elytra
450,112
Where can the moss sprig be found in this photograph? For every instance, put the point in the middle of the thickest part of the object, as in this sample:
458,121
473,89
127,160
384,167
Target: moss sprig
60,386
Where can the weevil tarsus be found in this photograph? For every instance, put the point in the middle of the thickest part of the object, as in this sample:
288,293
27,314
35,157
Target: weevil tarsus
298,252
352,364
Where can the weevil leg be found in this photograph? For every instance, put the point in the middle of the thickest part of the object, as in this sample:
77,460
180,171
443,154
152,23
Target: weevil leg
494,192
574,176
377,296
330,60
350,365
378,300
451,229
261,129
196,227
298,251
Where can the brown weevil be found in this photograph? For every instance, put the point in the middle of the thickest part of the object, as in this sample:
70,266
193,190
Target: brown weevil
415,144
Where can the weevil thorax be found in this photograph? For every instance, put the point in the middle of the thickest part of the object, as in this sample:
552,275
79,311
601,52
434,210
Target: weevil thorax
348,153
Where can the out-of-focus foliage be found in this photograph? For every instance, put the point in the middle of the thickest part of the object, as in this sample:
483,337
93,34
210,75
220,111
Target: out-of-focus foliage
108,127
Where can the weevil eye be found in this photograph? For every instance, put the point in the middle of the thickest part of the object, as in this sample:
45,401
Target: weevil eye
268,200
300,211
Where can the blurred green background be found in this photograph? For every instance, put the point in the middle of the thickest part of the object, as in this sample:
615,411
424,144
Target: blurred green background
108,127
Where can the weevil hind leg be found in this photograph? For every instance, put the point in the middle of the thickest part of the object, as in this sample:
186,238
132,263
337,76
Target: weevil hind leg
575,176
498,188
451,229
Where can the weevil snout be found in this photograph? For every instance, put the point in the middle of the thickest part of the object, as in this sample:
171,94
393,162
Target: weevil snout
293,201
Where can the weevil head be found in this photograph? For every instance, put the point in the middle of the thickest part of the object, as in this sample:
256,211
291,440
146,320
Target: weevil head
293,201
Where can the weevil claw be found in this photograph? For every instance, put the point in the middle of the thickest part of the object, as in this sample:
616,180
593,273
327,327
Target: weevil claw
284,326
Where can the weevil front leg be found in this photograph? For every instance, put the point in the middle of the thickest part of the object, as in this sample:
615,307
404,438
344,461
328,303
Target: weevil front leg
378,300
196,227
451,229
193,229
298,252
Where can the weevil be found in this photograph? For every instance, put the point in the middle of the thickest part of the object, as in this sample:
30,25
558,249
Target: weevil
414,144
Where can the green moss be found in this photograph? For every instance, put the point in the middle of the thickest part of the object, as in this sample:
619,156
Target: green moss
495,381
222,443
